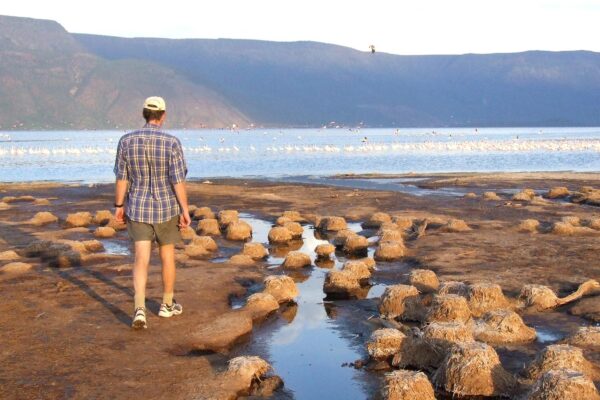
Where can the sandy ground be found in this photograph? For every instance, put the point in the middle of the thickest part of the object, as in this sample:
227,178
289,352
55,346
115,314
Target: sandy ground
65,332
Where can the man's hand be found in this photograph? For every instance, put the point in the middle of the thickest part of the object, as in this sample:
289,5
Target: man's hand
184,220
120,215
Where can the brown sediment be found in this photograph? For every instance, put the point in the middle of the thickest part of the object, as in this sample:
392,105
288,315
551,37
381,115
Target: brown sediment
203,213
238,230
105,232
358,270
341,236
261,304
245,376
586,336
293,215
562,384
295,228
376,220
356,245
279,234
384,343
208,226
587,308
491,196
255,250
296,259
205,241
524,195
503,327
561,356
225,217
448,308
436,341
331,223
242,259
454,287
187,233
102,217
96,299
79,219
389,251
43,218
400,301
473,369
417,352
222,333
407,385
281,287
484,297
403,222
324,250
558,192
390,235
9,255
443,335
196,251
344,284
15,268
425,280
455,225
529,225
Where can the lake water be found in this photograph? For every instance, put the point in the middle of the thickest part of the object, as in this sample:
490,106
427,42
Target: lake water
89,155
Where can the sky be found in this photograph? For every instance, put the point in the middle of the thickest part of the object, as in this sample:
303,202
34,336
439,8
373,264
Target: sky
392,26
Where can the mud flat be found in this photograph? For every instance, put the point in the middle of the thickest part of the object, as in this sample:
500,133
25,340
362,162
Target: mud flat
67,317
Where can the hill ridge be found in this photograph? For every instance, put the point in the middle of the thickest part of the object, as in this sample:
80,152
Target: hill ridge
220,82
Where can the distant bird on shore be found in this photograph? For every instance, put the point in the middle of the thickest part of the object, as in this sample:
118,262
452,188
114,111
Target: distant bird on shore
365,140
372,47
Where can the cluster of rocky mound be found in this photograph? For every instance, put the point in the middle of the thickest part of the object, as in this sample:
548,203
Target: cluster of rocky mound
584,195
459,325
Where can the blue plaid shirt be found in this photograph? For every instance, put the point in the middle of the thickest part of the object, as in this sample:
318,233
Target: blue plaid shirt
152,162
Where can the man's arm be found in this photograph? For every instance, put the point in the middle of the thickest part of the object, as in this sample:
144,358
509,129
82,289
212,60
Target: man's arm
177,174
120,191
181,194
121,183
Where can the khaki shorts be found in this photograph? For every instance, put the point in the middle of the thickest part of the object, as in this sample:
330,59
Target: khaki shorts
164,233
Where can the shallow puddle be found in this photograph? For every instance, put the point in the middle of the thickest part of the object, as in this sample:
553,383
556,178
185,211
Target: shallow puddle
309,345
117,247
403,185
553,326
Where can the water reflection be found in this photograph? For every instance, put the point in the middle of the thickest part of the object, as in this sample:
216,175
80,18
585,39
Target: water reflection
309,348
116,247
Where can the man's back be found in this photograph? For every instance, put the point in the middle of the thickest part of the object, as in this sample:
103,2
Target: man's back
152,162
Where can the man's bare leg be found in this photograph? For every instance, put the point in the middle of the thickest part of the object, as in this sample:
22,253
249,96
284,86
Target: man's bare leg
140,271
167,257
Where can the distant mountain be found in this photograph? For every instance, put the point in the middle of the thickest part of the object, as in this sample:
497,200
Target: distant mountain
58,79
48,80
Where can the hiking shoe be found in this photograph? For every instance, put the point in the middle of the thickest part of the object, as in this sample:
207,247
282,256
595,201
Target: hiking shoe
139,318
167,311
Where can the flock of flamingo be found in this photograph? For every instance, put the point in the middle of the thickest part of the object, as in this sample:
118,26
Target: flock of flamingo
462,146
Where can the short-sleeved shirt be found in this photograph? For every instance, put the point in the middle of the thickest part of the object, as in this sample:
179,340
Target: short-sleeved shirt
152,162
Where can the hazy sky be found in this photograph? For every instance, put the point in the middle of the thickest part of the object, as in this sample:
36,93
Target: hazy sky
394,26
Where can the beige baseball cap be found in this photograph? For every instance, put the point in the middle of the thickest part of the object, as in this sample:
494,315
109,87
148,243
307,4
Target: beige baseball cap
155,103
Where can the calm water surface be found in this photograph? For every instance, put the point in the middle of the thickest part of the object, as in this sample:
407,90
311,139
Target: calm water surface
89,155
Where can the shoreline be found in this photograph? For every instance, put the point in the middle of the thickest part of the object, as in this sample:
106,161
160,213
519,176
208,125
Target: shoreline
522,175
80,314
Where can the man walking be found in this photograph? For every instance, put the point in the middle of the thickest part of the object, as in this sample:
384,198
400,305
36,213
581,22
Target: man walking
150,195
